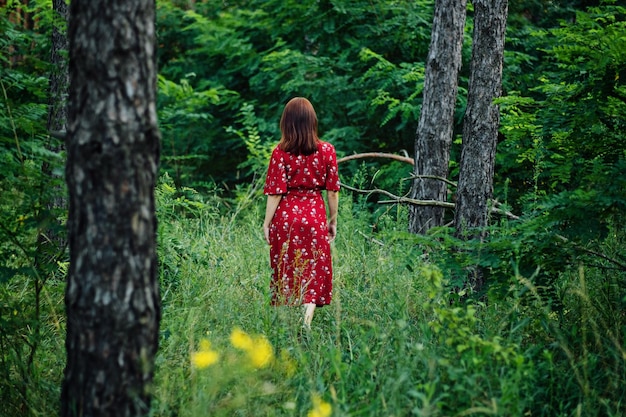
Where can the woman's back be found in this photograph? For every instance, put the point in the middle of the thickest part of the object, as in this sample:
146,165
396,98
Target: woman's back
289,172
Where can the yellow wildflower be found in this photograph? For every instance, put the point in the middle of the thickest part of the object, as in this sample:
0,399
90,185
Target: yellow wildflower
320,408
240,339
258,348
262,353
204,357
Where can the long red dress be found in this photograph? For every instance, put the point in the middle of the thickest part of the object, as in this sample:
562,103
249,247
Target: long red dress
299,246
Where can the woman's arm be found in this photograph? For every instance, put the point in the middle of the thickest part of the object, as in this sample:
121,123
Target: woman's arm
333,205
270,209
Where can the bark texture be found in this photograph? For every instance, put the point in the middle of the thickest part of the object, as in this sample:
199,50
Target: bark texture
112,298
482,117
436,124
482,121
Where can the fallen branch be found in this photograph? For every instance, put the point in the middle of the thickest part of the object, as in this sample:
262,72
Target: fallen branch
59,134
495,209
435,203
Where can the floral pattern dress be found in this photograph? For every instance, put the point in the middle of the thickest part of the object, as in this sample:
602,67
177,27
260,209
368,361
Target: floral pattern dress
299,245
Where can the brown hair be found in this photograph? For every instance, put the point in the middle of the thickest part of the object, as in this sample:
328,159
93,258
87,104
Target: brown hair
298,126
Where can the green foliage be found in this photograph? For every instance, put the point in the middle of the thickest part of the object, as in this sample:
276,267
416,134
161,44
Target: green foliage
586,98
258,147
268,52
31,232
585,340
185,119
469,356
563,154
394,78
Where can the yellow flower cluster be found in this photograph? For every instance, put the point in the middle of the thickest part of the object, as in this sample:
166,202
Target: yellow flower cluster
205,356
258,348
320,408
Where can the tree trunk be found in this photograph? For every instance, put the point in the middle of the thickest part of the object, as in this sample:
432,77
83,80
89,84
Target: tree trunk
112,298
482,120
57,121
436,124
57,113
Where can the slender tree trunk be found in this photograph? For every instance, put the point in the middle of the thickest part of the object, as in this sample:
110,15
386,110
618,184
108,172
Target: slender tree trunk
112,300
57,121
482,121
57,113
436,124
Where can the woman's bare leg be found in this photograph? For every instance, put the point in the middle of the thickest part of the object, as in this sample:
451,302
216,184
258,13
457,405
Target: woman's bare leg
309,309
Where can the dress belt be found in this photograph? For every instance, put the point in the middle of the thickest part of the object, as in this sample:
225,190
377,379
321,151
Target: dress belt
303,192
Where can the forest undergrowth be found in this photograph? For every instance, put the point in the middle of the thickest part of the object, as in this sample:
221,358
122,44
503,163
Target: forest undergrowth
399,339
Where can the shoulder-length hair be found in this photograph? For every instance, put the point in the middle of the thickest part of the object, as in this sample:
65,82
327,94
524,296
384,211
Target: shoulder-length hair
298,126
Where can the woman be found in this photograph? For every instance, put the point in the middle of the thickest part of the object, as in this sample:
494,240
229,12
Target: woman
295,223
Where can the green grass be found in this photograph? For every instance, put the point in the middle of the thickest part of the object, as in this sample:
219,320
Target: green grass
394,342
223,283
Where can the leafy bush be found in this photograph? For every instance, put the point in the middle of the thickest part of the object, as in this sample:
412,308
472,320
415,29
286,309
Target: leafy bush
563,153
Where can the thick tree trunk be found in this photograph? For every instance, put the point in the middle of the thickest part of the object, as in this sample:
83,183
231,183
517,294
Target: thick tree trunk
436,124
482,120
112,300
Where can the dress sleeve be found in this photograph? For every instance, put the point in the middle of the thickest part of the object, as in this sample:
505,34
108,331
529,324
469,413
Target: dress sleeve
332,173
276,179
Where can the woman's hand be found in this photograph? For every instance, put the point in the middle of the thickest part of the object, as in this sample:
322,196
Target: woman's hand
333,205
266,232
270,209
332,231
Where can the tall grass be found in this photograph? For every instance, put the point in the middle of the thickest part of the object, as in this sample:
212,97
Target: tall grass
354,348
394,342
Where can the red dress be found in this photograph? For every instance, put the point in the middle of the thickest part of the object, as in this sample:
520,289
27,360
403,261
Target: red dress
299,246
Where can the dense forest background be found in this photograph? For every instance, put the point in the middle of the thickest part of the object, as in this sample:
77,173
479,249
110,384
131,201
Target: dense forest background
548,335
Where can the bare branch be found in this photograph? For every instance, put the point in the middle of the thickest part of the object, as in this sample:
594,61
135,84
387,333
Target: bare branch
434,177
405,200
59,134
377,155
614,261
415,202
399,199
496,209
400,158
